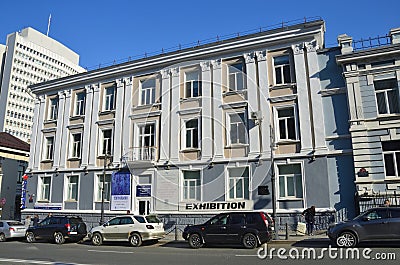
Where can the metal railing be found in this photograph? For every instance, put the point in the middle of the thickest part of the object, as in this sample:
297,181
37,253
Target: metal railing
372,42
282,25
367,201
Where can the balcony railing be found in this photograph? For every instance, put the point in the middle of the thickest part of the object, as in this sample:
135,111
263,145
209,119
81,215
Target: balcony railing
372,42
144,153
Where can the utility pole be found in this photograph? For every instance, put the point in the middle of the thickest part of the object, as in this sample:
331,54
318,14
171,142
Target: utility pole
273,180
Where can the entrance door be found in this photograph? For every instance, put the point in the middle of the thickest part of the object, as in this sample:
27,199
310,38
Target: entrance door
144,207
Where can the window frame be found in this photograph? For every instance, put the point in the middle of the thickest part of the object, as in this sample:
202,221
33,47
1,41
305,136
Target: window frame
301,174
395,160
42,190
71,187
73,150
53,108
198,188
109,104
80,104
107,187
191,82
144,89
234,187
282,70
187,130
386,97
48,156
229,126
110,142
141,135
232,70
277,119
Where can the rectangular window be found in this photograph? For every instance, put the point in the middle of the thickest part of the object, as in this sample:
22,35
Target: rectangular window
191,185
45,189
287,123
109,99
391,154
192,85
107,142
236,77
148,91
53,108
387,99
192,133
72,192
239,183
80,104
282,70
290,181
107,187
238,132
146,142
76,145
49,148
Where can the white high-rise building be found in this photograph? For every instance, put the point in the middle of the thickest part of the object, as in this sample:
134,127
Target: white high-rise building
29,57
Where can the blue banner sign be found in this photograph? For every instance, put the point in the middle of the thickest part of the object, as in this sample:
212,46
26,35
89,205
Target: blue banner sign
121,191
143,191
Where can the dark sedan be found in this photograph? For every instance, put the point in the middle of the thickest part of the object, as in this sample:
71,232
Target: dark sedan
376,224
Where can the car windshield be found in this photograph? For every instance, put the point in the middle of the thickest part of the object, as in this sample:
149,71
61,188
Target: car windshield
152,219
140,219
13,223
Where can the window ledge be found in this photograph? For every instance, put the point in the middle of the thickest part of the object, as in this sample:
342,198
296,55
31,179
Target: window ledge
103,156
105,112
188,150
146,106
290,199
388,116
49,121
46,161
43,201
74,159
235,92
105,201
71,200
233,146
288,142
282,86
198,98
77,117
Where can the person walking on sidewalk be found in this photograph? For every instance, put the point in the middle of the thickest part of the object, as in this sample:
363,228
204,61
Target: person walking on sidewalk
309,215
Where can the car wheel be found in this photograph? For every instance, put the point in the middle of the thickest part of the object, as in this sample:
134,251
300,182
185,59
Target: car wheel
59,238
249,241
30,237
195,241
2,237
97,239
135,240
346,239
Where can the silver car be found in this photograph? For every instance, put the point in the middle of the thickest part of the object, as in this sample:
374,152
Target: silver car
131,228
11,229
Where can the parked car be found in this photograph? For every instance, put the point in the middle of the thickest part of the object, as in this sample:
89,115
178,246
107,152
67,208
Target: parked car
11,229
59,229
131,228
376,224
247,228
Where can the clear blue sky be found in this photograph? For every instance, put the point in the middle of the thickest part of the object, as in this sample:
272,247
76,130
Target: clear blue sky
102,31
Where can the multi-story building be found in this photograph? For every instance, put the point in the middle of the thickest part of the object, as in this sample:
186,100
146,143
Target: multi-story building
220,126
372,73
29,58
14,155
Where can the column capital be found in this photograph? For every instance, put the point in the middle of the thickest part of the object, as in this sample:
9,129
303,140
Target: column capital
298,48
128,80
261,55
312,46
216,64
119,82
174,71
164,73
95,87
249,57
205,66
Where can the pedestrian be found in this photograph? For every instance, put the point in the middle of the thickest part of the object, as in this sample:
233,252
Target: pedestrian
386,203
309,215
49,215
27,221
35,220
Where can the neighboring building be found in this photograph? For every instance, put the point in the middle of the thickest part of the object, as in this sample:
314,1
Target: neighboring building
29,58
14,156
372,73
199,131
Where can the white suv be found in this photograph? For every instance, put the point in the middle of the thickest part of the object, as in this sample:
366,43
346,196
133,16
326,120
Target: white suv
132,228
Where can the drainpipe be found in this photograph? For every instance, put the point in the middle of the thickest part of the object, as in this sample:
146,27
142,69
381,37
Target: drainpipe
310,103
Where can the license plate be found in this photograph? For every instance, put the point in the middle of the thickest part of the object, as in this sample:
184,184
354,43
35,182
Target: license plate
73,233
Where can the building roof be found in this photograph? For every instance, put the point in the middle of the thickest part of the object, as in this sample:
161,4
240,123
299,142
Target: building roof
9,141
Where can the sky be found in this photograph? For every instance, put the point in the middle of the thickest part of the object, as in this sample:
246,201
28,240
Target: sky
103,31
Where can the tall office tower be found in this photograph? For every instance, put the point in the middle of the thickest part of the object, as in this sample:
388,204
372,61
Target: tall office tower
28,58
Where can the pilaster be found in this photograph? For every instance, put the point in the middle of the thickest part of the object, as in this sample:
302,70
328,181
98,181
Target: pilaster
127,125
87,126
37,147
119,113
174,108
206,115
64,149
93,126
217,102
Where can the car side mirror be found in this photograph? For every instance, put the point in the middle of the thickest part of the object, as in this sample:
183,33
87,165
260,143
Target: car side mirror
105,224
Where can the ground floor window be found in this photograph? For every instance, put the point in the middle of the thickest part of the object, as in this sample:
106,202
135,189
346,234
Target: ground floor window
44,193
107,187
238,183
290,181
391,154
72,188
191,185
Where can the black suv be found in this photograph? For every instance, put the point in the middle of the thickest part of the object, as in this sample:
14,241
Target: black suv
58,228
248,228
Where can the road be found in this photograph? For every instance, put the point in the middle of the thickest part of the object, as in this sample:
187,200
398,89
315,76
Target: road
15,252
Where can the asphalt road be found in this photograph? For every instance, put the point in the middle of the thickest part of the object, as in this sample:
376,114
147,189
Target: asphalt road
15,252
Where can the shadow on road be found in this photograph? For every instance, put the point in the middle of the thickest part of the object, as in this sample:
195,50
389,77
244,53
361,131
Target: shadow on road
324,243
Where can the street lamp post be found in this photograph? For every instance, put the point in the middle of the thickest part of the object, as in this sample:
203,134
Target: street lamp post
273,180
102,189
